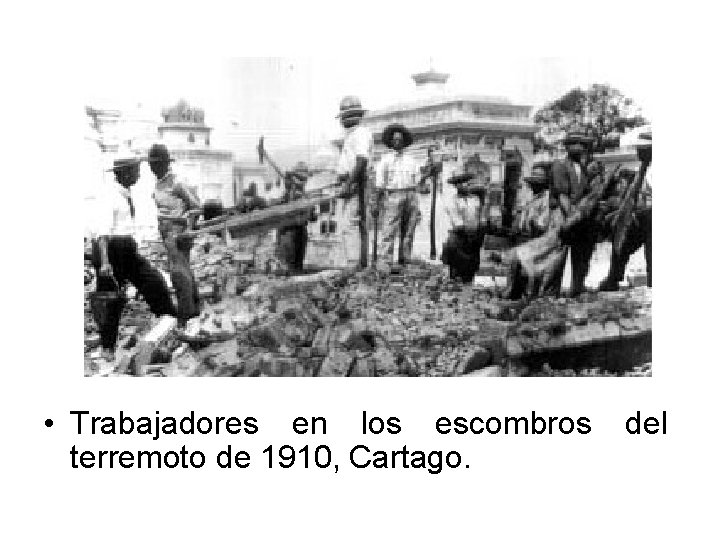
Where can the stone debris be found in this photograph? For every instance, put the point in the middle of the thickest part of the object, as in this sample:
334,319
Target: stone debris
416,322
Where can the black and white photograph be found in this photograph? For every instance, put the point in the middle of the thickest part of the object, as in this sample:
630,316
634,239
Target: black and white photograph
401,217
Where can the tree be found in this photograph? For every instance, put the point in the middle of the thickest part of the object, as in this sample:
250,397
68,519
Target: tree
601,111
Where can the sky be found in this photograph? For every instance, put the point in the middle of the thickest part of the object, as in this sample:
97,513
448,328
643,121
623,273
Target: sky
293,101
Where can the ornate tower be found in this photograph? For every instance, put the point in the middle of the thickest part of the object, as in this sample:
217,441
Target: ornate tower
184,127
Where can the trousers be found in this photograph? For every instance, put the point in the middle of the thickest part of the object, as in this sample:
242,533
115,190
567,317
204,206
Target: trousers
181,273
399,217
461,252
129,266
639,235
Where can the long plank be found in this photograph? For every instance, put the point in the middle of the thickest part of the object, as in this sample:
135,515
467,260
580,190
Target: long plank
272,217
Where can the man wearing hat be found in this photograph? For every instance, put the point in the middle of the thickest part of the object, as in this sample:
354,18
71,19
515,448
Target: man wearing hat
569,185
638,231
292,239
397,181
535,215
461,251
174,201
115,253
353,164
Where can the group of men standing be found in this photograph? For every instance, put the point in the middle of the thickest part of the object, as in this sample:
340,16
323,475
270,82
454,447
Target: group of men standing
561,195
559,206
627,191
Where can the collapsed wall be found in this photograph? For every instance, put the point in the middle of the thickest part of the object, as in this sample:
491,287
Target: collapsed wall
343,323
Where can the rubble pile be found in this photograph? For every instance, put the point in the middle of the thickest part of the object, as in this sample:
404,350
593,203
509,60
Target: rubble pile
411,323
599,332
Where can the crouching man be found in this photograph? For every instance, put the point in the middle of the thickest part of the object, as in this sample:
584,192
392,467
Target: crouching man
534,218
115,255
461,251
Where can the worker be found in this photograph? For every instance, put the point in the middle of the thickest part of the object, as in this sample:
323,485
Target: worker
175,201
398,180
535,215
292,239
353,165
535,267
115,253
461,251
569,185
251,200
639,228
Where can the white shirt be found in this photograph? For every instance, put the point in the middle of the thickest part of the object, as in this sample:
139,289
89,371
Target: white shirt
397,170
113,215
464,212
578,170
358,143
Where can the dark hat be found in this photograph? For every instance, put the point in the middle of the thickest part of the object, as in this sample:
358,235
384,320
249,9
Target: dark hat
124,163
300,171
538,176
577,138
159,152
351,106
390,130
460,178
645,139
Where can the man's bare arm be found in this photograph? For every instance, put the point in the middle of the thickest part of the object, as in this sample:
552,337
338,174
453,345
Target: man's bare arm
191,200
105,268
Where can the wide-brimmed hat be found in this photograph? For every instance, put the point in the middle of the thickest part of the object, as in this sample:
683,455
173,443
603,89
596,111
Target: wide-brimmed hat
351,106
390,130
124,163
458,179
158,152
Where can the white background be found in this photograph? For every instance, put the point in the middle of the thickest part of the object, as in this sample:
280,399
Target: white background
604,485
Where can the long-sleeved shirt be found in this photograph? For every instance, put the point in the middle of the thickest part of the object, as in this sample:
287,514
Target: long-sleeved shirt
358,142
397,170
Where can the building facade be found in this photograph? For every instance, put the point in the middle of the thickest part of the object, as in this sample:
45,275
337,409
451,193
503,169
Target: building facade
208,170
494,133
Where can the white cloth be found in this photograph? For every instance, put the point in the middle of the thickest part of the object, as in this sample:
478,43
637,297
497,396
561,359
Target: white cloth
646,190
397,170
113,214
464,213
358,143
578,170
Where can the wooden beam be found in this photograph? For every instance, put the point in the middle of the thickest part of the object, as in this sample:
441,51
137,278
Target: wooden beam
268,218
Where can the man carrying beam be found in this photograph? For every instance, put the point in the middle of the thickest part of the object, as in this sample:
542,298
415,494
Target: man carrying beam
175,202
632,222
